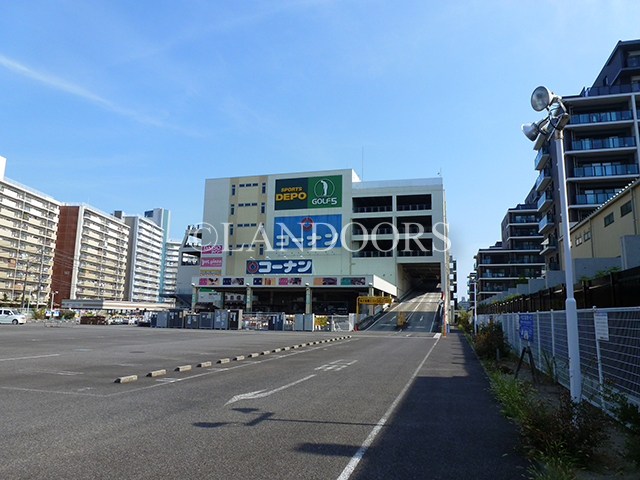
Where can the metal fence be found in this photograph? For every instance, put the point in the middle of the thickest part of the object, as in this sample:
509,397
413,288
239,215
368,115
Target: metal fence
602,361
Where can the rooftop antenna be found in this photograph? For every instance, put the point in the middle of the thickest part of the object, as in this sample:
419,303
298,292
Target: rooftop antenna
440,172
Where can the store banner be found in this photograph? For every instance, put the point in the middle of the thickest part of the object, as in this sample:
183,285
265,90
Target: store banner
321,232
313,192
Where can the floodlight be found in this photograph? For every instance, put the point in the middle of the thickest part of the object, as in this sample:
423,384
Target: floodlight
541,98
532,130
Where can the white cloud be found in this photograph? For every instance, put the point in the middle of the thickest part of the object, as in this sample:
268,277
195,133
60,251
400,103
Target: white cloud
76,90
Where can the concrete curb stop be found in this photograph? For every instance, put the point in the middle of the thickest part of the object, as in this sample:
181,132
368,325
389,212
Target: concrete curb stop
266,352
224,360
157,373
127,379
238,358
252,355
204,364
183,368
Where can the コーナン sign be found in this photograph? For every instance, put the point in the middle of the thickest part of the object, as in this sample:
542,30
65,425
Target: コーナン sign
313,192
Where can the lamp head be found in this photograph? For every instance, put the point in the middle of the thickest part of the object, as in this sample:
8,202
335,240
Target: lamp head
541,98
532,130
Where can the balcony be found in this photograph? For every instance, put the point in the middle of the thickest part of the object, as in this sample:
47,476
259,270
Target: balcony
603,143
544,179
542,157
593,198
600,117
546,224
549,245
545,201
610,90
605,170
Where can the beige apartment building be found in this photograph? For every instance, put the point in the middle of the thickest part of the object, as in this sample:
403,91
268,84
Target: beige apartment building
609,236
28,228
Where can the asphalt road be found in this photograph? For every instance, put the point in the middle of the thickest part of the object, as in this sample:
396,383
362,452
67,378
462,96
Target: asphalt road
420,313
376,405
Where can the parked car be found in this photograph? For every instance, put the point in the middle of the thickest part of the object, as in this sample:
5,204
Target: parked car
12,316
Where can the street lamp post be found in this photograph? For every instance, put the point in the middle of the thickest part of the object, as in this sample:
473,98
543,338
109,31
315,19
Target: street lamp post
540,132
475,306
53,294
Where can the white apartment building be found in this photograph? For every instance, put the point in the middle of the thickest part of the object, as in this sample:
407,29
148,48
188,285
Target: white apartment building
28,228
142,282
91,255
171,259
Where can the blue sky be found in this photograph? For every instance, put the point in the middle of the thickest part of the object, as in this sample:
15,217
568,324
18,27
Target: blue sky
131,105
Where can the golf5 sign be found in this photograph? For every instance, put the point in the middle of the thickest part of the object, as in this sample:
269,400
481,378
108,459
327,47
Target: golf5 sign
314,192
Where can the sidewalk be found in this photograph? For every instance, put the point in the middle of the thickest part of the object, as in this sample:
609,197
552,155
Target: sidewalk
448,426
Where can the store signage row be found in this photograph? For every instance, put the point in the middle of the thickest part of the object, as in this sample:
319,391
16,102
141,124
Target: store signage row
313,192
280,281
307,231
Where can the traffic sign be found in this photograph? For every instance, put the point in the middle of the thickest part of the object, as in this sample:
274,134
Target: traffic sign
375,300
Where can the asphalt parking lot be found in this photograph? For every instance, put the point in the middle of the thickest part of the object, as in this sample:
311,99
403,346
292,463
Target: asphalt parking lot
90,358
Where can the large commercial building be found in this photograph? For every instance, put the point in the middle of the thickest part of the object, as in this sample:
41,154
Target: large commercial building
90,255
28,230
314,241
144,256
601,146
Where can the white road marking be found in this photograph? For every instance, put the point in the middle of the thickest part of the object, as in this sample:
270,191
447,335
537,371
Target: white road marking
263,393
353,463
26,358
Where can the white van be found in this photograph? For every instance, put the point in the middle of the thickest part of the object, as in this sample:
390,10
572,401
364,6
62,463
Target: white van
12,316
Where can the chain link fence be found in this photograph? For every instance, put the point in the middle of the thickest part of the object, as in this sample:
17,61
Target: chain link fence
612,359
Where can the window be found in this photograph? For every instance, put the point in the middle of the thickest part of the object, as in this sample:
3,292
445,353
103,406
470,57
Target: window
263,207
264,187
587,235
233,189
608,220
626,208
578,240
231,229
261,249
232,210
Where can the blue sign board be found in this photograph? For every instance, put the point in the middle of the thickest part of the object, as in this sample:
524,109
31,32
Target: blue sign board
318,232
526,326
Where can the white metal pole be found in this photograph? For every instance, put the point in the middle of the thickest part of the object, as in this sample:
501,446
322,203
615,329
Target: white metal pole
573,346
475,307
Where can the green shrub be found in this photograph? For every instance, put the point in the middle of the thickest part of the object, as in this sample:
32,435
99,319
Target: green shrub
465,322
577,428
489,340
514,395
629,415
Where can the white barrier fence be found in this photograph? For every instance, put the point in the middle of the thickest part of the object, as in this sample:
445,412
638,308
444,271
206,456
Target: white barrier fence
609,342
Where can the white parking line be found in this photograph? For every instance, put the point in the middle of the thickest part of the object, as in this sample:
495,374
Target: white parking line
26,358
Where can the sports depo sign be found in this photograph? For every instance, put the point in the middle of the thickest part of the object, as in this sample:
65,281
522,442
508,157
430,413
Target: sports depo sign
314,192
